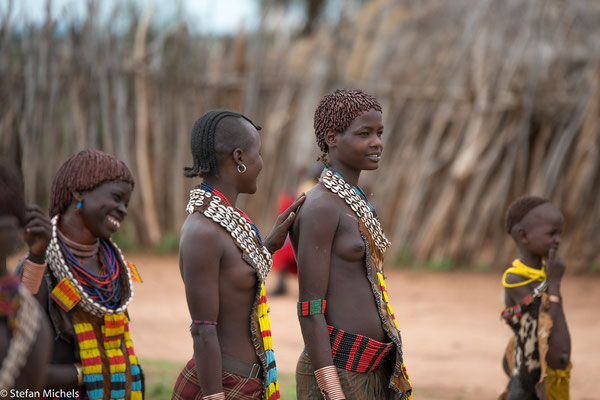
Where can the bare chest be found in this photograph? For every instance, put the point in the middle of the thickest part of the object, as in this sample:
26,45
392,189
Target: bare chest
348,244
237,274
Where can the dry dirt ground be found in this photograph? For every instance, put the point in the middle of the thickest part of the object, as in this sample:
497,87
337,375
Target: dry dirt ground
450,322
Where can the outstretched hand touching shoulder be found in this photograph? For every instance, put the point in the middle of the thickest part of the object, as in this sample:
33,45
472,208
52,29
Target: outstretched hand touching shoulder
280,229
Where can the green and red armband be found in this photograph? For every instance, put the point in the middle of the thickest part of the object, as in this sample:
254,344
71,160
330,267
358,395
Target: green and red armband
311,307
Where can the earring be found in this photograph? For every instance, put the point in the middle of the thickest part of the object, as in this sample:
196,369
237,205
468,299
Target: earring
241,168
78,206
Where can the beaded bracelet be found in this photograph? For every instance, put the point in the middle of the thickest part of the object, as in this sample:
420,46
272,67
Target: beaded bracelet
216,396
312,307
329,383
554,298
202,322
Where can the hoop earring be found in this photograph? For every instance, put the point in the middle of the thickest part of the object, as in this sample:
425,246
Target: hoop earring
242,169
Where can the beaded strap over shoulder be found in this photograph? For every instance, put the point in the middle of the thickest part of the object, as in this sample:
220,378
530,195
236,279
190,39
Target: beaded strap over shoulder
61,270
27,325
238,227
337,185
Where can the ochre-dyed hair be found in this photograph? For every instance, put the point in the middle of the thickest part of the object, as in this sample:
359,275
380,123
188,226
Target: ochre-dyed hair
12,193
520,208
209,136
337,110
84,171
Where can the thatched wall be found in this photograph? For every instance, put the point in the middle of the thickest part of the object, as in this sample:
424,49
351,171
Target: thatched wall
483,101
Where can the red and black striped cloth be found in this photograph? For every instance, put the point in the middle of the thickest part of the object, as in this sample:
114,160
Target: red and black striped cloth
357,353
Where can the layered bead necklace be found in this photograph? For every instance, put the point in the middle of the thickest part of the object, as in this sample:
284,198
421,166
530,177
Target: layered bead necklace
78,286
104,287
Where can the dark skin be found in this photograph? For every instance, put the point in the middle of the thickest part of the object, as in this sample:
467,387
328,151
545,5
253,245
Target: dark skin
210,260
38,230
103,209
538,238
33,372
329,249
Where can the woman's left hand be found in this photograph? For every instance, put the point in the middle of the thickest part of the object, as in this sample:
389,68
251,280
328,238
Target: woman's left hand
38,230
279,232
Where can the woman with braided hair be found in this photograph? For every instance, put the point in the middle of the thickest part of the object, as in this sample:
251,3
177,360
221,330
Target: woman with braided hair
88,284
224,263
353,345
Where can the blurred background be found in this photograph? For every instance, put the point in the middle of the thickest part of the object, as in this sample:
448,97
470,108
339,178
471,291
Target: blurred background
483,101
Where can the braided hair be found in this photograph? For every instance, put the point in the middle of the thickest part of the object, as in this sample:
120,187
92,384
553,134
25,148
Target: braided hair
214,135
337,110
12,193
84,171
520,208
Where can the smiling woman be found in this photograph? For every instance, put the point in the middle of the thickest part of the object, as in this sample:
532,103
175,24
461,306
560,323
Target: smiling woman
88,284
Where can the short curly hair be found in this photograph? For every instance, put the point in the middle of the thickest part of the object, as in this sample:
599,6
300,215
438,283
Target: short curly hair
84,171
12,193
337,110
519,208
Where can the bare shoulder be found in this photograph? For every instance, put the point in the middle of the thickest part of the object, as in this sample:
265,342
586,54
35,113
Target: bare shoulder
514,295
197,226
320,203
199,234
512,279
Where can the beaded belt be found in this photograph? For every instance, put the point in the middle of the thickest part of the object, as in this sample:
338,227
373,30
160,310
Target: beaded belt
357,353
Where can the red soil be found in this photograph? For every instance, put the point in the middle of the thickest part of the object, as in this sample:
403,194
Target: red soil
450,321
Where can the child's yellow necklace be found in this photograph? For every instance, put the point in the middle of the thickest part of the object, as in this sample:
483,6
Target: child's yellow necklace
518,268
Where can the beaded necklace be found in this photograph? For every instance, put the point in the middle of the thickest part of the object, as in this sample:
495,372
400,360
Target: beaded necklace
518,268
69,291
206,187
358,190
241,228
246,236
77,286
352,196
104,287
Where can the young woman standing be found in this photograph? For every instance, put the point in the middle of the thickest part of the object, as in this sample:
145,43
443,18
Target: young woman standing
353,345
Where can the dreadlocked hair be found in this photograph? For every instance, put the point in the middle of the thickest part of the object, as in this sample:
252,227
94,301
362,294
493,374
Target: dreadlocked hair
12,193
84,171
203,147
337,110
519,208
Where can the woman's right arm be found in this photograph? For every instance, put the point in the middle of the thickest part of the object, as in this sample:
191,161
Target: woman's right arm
317,228
201,252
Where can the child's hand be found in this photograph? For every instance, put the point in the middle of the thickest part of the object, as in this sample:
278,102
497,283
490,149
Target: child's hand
556,267
38,230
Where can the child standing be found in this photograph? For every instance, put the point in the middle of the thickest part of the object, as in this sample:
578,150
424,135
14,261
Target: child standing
538,357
